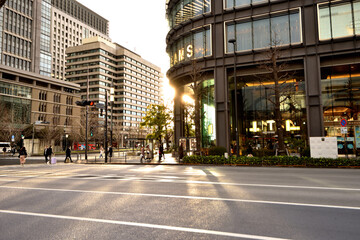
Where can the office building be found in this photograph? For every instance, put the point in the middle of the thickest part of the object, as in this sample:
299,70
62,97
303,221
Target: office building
27,98
98,64
35,34
318,41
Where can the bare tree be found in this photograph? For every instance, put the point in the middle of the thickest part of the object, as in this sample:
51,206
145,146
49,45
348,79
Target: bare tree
282,89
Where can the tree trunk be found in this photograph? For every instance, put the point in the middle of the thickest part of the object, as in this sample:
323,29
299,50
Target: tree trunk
278,118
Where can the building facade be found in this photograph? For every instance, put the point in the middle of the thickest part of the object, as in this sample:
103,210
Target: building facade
97,65
35,34
27,98
317,45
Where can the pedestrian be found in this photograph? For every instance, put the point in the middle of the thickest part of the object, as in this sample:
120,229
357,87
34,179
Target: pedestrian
49,152
4,151
148,156
22,156
68,154
101,152
142,154
110,151
13,151
181,152
161,152
45,155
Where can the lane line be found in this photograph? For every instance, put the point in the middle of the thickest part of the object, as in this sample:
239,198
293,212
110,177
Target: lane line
145,225
187,197
140,179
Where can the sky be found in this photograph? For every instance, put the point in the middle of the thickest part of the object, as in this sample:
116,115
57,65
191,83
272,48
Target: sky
139,25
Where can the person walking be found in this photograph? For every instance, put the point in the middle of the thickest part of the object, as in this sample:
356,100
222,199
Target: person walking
110,151
181,152
101,152
68,154
22,156
142,154
45,155
4,150
49,152
161,152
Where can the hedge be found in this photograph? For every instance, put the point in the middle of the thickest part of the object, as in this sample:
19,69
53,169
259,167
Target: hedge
273,161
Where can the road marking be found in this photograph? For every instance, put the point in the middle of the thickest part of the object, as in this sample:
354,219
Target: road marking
141,179
146,225
188,197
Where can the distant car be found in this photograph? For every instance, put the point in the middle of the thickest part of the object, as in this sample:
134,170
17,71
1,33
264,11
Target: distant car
5,144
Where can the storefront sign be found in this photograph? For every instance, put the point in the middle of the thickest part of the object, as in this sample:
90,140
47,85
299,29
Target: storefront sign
344,130
323,147
357,136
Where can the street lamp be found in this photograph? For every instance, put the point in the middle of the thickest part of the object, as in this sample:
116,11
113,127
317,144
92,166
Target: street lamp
66,141
233,41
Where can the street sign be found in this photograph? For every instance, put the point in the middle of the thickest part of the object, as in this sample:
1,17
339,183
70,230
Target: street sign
344,130
100,105
343,122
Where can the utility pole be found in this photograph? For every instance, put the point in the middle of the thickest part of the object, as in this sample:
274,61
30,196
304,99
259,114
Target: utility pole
87,118
233,41
106,125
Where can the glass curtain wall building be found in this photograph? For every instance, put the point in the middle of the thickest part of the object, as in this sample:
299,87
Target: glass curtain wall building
35,34
317,54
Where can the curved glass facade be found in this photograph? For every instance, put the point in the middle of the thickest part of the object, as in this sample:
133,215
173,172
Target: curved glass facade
283,29
195,45
186,9
244,3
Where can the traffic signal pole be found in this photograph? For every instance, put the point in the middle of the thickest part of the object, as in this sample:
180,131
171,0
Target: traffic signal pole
106,125
87,117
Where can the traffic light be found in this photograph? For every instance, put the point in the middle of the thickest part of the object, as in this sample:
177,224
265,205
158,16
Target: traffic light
84,103
91,131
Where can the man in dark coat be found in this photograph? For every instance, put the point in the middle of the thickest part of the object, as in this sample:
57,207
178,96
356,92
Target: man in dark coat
49,152
68,154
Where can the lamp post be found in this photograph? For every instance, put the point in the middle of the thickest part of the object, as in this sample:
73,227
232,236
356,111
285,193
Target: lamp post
233,41
66,141
112,99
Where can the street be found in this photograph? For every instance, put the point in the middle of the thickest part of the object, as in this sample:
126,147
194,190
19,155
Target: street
75,201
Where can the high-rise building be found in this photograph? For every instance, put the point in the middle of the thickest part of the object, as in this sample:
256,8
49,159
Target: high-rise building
317,40
71,22
35,34
98,64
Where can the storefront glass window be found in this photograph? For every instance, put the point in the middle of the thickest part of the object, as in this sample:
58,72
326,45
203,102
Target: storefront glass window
208,114
341,100
256,112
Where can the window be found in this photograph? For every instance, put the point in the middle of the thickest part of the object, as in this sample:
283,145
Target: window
339,20
279,29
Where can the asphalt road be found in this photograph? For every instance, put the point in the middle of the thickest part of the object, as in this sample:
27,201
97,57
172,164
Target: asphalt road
73,201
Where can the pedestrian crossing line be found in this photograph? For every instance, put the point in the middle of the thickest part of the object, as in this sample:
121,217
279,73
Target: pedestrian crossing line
144,225
189,197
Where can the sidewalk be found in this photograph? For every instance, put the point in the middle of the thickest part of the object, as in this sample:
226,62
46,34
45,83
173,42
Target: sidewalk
92,159
132,160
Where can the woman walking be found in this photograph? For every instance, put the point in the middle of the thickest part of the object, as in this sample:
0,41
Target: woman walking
22,156
101,152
